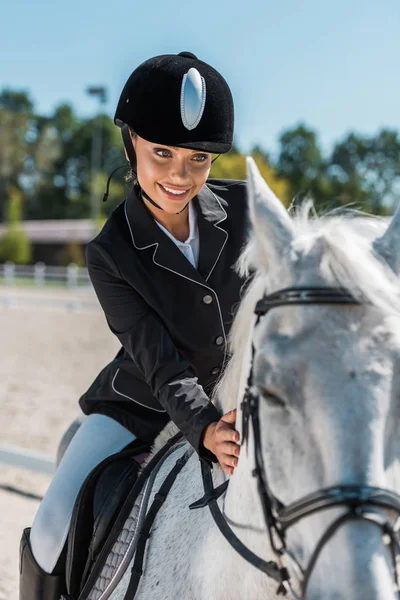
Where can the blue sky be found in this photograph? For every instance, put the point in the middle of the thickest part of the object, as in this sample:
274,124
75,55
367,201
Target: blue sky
334,65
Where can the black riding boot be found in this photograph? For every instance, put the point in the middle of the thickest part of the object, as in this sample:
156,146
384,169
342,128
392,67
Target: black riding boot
34,583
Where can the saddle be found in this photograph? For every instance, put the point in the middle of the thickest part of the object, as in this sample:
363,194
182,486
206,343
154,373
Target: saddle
99,501
104,502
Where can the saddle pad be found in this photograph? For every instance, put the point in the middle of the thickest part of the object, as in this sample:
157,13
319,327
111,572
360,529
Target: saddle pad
98,502
113,568
123,548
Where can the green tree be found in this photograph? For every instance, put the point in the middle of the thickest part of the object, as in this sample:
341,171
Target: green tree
14,244
367,169
301,163
64,189
16,110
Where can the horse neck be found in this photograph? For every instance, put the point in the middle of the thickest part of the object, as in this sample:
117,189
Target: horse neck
242,502
242,506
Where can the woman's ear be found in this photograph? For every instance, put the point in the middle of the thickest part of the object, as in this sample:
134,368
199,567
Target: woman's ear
133,137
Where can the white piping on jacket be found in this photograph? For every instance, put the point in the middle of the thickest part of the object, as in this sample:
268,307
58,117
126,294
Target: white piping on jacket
130,398
223,230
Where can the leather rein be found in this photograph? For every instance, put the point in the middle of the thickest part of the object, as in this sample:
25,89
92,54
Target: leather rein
363,503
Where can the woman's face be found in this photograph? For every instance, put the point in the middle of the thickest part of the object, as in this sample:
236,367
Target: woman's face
171,176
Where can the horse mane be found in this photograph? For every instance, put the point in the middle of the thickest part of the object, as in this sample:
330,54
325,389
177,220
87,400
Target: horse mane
343,242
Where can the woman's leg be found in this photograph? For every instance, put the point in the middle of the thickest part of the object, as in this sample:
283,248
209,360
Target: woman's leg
97,438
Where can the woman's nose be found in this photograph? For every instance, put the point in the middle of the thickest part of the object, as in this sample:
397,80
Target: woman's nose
180,169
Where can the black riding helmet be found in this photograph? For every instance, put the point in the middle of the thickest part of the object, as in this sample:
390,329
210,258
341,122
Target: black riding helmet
176,100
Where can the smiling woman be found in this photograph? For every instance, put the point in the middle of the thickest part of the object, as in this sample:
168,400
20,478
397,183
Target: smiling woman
162,270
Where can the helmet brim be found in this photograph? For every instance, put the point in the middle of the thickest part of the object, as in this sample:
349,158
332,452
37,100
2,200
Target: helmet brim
212,147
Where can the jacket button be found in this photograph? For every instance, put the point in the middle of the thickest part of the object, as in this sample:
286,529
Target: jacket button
219,340
207,299
215,371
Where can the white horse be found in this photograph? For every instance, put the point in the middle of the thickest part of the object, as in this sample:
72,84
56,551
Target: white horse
328,381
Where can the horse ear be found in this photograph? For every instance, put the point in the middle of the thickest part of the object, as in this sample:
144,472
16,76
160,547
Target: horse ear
270,221
388,245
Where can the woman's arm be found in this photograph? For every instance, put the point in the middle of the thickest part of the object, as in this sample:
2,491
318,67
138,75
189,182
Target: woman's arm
170,377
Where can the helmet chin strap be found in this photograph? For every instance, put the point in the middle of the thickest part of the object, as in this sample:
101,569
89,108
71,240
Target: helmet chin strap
130,150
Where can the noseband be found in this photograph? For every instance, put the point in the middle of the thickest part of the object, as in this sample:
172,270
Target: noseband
363,503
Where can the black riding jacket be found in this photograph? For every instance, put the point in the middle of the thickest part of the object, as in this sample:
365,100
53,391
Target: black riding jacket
171,318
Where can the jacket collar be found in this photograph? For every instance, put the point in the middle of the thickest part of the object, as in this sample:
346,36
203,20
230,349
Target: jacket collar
146,234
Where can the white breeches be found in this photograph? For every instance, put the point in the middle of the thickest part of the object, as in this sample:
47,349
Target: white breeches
97,438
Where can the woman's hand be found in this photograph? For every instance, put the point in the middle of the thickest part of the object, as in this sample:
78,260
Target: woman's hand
220,438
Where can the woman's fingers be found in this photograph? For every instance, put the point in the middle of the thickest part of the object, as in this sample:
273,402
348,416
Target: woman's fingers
226,431
227,453
229,460
229,448
225,438
229,417
228,463
226,434
227,470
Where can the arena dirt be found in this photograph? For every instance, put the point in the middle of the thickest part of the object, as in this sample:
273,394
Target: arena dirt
48,357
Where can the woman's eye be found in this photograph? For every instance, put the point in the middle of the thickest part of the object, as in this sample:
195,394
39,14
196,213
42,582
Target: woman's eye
200,157
163,153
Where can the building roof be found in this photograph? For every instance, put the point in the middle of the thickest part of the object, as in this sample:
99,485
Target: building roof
57,231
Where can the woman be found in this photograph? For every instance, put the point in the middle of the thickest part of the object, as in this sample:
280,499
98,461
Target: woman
162,268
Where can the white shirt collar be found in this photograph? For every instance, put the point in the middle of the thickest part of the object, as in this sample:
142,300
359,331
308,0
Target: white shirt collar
193,230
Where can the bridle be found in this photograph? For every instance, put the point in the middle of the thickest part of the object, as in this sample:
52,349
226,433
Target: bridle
363,503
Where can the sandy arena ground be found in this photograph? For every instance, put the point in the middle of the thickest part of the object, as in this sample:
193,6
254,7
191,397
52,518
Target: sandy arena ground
49,354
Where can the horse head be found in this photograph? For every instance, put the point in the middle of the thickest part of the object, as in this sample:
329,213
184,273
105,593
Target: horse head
326,376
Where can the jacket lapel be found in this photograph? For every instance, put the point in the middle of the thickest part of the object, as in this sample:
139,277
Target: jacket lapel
146,235
211,215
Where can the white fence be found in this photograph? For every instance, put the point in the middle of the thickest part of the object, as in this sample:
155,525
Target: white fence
23,458
41,275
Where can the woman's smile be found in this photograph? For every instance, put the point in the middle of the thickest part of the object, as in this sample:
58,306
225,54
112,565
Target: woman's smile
174,193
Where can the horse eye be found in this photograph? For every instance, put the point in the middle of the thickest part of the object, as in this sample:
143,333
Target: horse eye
272,399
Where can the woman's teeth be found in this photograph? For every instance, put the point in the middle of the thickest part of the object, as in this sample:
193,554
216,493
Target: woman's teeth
175,192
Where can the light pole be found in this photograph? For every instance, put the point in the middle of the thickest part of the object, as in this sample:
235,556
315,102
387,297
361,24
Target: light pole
97,140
